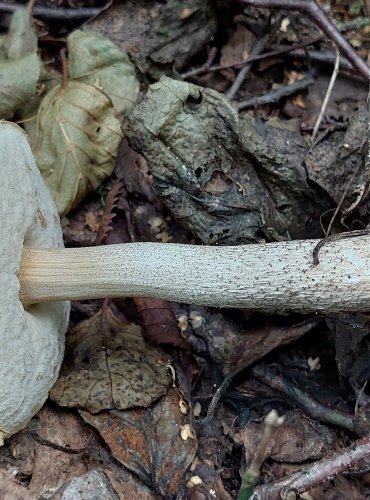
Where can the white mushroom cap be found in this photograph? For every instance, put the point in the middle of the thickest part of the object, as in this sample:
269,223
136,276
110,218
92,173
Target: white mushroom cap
32,338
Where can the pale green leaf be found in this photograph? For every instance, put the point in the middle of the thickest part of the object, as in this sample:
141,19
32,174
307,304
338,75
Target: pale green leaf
94,59
18,83
77,133
20,66
77,140
21,39
28,113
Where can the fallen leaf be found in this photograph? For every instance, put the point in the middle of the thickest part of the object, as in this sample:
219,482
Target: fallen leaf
96,60
18,83
337,488
148,442
21,39
78,127
158,319
43,471
20,66
112,366
234,347
76,141
238,46
297,440
59,428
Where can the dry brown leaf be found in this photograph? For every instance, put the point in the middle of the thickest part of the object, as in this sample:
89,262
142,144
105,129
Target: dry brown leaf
112,366
297,440
53,472
117,190
92,221
238,46
148,442
234,349
60,428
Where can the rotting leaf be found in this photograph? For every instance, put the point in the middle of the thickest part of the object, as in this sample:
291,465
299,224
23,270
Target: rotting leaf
112,367
334,163
20,66
228,178
78,122
191,139
81,450
148,442
76,141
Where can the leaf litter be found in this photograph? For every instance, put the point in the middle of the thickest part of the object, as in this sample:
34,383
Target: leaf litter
111,366
110,373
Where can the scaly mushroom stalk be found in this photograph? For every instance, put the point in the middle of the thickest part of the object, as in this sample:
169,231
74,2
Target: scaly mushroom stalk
271,277
36,269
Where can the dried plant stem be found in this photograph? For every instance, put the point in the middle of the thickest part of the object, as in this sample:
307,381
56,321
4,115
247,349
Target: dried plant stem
252,474
327,96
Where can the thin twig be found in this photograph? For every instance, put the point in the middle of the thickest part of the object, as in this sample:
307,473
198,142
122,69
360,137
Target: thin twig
319,473
335,237
53,13
50,444
295,50
257,49
327,96
216,398
271,377
210,60
312,9
273,53
275,95
321,56
341,201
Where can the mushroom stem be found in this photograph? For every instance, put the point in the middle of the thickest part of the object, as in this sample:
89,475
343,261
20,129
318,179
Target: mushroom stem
271,277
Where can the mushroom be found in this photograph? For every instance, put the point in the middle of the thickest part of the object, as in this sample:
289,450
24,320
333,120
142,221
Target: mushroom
39,276
31,338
